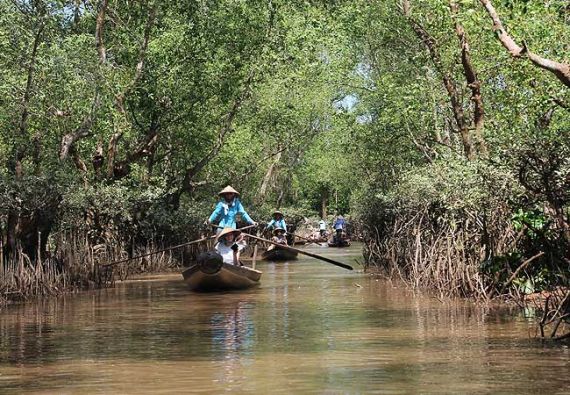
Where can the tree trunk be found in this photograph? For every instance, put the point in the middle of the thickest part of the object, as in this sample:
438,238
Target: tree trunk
267,178
472,82
111,154
99,29
324,201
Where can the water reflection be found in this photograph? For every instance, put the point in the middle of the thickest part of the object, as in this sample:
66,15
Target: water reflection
308,328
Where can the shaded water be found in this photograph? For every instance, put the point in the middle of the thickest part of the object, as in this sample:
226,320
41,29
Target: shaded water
309,328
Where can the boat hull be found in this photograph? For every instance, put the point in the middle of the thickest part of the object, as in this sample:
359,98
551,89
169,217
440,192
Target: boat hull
342,243
228,277
279,254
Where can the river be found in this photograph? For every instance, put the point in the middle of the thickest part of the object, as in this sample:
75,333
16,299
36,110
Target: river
309,328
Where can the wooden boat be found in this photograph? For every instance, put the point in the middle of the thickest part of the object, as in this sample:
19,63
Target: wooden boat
335,243
278,254
208,274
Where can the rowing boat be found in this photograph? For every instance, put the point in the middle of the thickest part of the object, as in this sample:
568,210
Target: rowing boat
209,273
335,243
278,254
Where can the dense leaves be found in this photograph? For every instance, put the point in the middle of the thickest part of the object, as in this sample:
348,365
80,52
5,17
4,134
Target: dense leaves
124,119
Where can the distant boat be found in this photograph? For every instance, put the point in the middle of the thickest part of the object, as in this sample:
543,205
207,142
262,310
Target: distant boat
334,242
210,274
278,254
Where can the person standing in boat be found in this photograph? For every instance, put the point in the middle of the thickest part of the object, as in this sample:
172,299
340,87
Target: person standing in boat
339,226
322,228
229,244
224,215
277,221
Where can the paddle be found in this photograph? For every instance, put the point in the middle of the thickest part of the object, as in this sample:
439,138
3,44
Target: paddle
286,247
170,248
305,238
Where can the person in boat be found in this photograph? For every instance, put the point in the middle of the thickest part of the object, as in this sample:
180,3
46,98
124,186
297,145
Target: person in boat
224,215
322,227
229,244
339,225
279,236
277,221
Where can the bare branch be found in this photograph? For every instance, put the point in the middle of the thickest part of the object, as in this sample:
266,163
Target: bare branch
225,129
560,70
19,150
448,81
82,131
140,65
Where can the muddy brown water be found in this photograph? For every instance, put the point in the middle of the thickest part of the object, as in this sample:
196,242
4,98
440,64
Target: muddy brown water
309,328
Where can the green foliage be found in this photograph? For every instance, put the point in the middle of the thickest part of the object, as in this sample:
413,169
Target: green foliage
300,105
532,221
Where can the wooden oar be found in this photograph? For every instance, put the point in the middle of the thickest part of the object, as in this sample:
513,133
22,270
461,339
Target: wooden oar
170,248
286,247
305,238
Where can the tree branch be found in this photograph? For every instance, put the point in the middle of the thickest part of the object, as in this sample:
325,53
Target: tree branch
560,70
140,65
20,148
224,130
84,129
448,81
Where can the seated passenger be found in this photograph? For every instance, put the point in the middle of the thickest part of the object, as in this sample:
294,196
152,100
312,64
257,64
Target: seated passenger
279,236
229,244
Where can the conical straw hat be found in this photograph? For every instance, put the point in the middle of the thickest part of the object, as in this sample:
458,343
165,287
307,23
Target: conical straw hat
228,189
278,229
277,212
226,231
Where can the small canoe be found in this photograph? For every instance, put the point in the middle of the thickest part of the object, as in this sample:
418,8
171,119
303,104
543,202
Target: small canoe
335,243
279,254
214,275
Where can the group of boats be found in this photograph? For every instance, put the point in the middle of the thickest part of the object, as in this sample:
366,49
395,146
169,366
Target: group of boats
210,273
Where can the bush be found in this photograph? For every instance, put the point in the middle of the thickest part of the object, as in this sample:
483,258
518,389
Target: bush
459,227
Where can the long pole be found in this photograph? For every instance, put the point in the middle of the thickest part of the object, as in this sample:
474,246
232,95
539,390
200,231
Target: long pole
285,247
170,248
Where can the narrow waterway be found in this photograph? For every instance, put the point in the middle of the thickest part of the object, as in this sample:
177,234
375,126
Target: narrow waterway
309,328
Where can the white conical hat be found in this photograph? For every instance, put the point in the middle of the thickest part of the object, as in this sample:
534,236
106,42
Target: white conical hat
226,231
228,189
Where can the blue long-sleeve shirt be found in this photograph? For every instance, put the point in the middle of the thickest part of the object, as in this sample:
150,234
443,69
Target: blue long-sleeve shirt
280,223
339,223
225,214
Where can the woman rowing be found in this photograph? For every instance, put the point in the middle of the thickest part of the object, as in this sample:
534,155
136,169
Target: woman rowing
224,215
277,221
